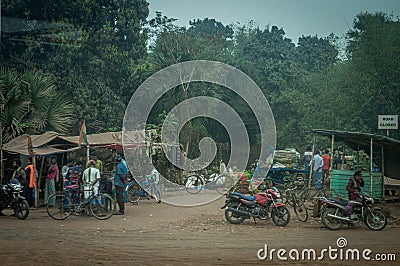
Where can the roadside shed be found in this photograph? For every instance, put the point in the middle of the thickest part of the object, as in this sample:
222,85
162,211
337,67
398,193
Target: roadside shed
383,152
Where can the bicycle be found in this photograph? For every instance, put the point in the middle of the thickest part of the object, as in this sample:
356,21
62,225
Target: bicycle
101,206
309,193
135,192
294,200
222,183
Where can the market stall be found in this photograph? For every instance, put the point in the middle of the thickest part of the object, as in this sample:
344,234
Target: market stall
384,160
39,147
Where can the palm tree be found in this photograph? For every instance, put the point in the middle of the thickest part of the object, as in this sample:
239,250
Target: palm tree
30,103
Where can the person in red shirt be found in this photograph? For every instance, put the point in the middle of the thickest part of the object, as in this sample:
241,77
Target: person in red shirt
51,179
327,164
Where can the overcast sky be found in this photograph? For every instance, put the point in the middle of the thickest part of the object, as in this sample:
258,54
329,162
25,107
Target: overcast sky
296,17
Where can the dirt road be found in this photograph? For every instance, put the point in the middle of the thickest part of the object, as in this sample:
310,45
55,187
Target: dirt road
154,234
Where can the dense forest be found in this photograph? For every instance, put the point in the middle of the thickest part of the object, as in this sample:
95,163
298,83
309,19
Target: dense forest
65,61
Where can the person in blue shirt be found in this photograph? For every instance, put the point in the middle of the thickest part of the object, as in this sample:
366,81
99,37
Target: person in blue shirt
74,178
120,178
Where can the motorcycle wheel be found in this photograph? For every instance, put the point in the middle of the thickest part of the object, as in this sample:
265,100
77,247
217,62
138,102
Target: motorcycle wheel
232,217
3,204
330,222
131,193
375,220
280,216
21,209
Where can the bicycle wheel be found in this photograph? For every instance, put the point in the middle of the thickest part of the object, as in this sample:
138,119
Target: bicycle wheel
194,184
332,194
131,193
102,206
286,197
62,207
308,197
223,184
299,209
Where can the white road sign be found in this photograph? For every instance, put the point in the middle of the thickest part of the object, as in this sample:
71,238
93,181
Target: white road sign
388,121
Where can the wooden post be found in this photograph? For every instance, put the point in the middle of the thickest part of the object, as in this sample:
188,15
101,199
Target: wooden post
39,179
371,164
331,166
383,171
36,189
312,162
87,154
1,151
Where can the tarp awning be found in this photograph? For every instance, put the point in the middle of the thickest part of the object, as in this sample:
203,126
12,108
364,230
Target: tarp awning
362,141
52,142
44,144
111,139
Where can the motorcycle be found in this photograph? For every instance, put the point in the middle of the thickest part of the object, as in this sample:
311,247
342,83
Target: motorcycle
10,196
263,205
335,213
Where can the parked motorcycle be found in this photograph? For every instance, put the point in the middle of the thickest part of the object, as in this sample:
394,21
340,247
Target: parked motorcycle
263,205
10,196
335,213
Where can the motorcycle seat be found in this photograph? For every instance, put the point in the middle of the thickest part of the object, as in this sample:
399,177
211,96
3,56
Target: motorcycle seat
343,203
240,195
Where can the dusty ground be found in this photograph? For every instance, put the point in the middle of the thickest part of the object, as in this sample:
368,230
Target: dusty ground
154,234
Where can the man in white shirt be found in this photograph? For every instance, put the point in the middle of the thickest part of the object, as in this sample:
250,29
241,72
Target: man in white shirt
90,179
317,170
156,175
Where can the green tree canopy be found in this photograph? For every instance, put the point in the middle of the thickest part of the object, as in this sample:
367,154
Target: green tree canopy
30,103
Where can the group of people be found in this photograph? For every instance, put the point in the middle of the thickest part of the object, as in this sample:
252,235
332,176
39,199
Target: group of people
320,166
73,174
92,177
25,177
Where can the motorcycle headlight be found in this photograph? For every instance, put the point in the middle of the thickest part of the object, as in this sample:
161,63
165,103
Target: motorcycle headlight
371,200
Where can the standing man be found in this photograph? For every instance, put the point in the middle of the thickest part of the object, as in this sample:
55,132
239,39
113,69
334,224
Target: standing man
155,179
336,159
317,170
90,180
51,178
99,163
307,158
65,168
30,182
19,173
327,164
120,179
